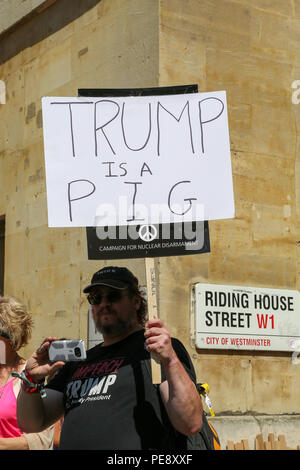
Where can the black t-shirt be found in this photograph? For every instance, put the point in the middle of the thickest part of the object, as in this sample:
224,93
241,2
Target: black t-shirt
110,400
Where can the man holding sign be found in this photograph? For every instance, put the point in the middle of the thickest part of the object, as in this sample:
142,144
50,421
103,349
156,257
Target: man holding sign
109,401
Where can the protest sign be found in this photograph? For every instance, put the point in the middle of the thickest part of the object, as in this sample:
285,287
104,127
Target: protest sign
137,160
142,241
138,241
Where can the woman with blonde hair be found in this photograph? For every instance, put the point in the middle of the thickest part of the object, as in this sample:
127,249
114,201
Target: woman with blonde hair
15,332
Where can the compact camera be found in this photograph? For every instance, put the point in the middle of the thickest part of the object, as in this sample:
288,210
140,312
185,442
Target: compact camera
67,350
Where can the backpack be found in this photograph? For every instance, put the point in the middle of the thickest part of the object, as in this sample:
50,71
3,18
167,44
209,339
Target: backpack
206,439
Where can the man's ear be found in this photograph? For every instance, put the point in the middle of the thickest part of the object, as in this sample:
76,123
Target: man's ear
137,301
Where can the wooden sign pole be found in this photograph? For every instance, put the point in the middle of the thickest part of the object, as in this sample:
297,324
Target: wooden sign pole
152,311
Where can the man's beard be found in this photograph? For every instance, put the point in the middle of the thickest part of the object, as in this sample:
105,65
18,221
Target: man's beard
118,327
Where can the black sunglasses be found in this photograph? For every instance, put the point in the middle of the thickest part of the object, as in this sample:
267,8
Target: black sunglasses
113,296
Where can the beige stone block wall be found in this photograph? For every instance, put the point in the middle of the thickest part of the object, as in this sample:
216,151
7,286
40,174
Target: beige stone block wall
12,11
114,44
249,49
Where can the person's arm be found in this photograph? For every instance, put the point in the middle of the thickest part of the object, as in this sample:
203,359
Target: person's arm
179,394
13,443
34,441
43,440
34,413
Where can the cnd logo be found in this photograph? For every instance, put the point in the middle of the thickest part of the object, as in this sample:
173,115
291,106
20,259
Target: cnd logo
2,92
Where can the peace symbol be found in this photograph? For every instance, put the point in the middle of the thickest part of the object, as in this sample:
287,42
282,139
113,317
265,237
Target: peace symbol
148,233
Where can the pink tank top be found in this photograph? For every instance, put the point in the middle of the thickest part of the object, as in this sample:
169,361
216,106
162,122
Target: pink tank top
8,411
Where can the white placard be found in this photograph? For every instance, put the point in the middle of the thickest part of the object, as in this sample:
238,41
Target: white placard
137,160
239,317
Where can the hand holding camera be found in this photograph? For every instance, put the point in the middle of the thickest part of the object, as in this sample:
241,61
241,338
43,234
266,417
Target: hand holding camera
52,355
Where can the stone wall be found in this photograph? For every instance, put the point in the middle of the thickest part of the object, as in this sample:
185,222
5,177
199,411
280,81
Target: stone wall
47,268
12,12
249,49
